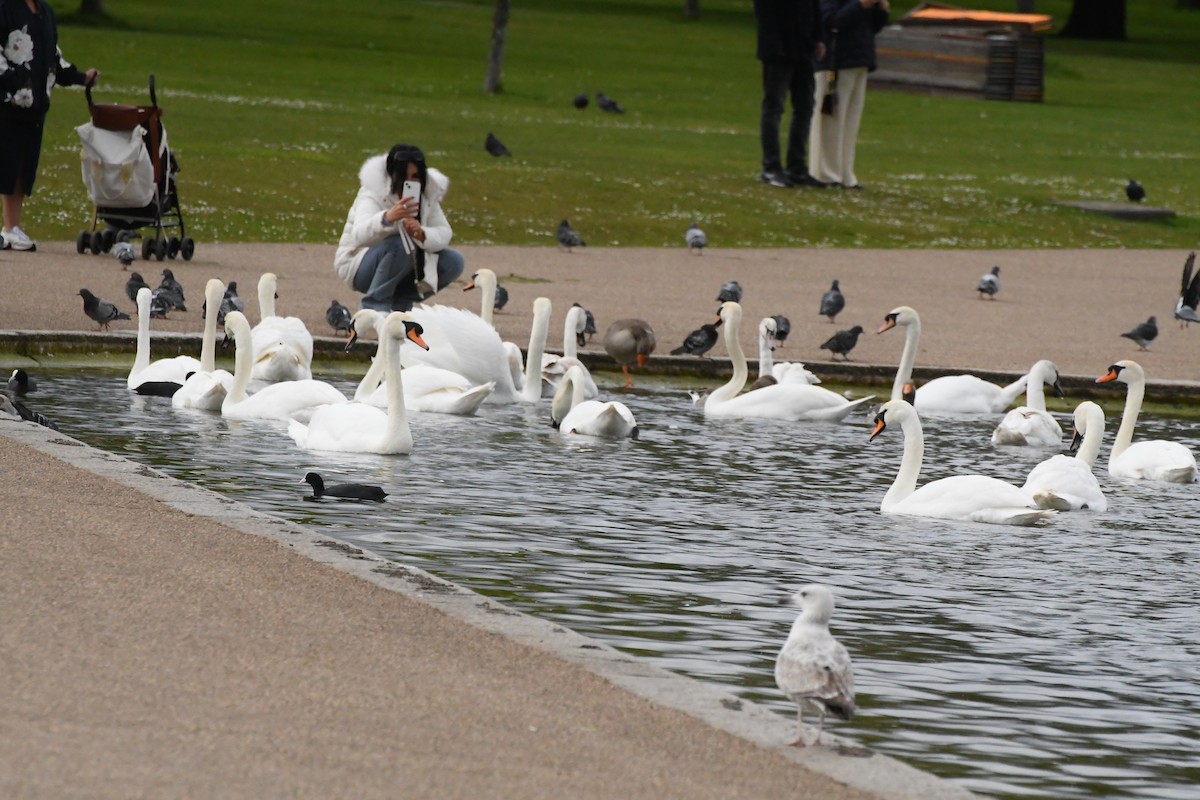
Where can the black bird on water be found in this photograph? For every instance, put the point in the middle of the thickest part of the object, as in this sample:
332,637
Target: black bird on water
344,491
20,383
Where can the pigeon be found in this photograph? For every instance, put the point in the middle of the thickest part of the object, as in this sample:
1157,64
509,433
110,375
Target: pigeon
160,304
832,302
989,284
606,103
20,383
125,253
581,100
101,311
731,292
135,282
813,669
1134,191
695,238
1144,334
495,146
589,325
501,298
1189,295
567,236
842,342
231,295
338,317
172,290
16,408
699,341
783,326
346,491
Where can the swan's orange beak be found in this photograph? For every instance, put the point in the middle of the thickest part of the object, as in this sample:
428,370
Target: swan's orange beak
412,332
879,427
470,284
888,324
351,337
1111,375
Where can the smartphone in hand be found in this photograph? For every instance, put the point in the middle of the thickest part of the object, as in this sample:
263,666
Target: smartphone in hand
412,189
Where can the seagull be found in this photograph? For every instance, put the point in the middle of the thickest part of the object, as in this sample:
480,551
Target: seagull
172,290
135,282
842,342
338,317
495,146
125,253
567,236
606,103
731,292
501,299
1144,334
1134,191
1189,295
581,100
101,311
695,239
20,383
813,668
347,491
783,326
832,302
699,341
989,284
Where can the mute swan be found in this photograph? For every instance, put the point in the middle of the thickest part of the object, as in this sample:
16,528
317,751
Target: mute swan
1066,483
283,345
161,378
360,427
555,367
790,401
274,401
951,394
206,388
970,498
571,413
787,372
484,279
1031,424
628,341
1155,459
426,388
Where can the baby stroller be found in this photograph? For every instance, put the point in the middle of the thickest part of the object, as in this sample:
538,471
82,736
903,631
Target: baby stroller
129,172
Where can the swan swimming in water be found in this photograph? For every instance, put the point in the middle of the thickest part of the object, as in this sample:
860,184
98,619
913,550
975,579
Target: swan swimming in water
571,413
283,345
555,367
1066,483
205,389
789,401
1031,424
951,394
969,498
768,370
162,377
1154,459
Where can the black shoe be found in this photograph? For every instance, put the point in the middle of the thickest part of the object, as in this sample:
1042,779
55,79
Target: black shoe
857,187
778,179
807,181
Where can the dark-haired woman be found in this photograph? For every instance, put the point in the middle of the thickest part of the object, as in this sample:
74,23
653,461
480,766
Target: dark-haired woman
395,249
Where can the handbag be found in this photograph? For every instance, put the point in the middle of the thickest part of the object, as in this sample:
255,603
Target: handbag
830,101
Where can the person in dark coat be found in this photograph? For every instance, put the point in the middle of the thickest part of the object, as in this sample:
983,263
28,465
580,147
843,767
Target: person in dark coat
789,38
851,26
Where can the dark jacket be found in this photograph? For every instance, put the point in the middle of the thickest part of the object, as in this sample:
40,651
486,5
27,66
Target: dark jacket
855,28
32,60
788,30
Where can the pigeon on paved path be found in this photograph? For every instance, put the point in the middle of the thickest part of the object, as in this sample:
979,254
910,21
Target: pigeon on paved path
731,292
567,237
125,253
832,302
842,342
135,282
783,326
338,317
989,284
699,341
172,290
696,239
101,311
1143,334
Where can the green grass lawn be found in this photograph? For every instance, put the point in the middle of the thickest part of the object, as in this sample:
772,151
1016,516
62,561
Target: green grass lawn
272,106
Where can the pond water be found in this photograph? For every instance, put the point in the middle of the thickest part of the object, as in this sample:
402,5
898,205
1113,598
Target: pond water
1060,661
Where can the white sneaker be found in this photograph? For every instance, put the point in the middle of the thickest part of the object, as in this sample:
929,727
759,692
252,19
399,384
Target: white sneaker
17,240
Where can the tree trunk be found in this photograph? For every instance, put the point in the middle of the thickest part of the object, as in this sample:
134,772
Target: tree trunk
491,82
1096,19
691,9
91,8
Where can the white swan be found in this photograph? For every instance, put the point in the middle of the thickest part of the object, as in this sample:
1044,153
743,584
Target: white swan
969,498
571,413
163,377
361,427
1155,459
283,345
790,401
555,367
205,389
484,279
1066,483
274,401
1031,424
426,388
951,394
787,372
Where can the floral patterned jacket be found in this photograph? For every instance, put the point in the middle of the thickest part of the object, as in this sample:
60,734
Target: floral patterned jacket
30,61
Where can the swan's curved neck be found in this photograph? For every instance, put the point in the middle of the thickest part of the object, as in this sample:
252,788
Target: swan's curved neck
141,359
1090,447
570,328
1133,406
766,358
912,336
487,300
568,395
375,373
266,298
208,345
1035,390
910,465
397,436
733,345
243,363
533,358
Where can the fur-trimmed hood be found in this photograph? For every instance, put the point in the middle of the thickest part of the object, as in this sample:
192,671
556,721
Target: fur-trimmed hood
373,177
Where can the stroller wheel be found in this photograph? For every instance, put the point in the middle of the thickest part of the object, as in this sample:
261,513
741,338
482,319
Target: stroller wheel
147,248
160,248
83,242
108,237
187,248
97,242
173,247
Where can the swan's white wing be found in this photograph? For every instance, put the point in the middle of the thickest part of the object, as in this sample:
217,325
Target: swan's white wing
166,370
204,390
790,401
345,428
606,420
283,350
282,400
1155,460
794,372
1028,426
957,394
973,498
462,342
1065,483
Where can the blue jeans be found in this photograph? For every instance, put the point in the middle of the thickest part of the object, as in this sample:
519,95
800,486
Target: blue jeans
780,79
386,277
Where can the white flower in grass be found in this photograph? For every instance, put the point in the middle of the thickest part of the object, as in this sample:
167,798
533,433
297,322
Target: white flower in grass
19,49
3,63
23,98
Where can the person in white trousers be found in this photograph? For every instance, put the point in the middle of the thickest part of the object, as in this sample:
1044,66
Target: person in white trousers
849,55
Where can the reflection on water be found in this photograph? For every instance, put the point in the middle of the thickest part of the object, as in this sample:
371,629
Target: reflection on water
1057,661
